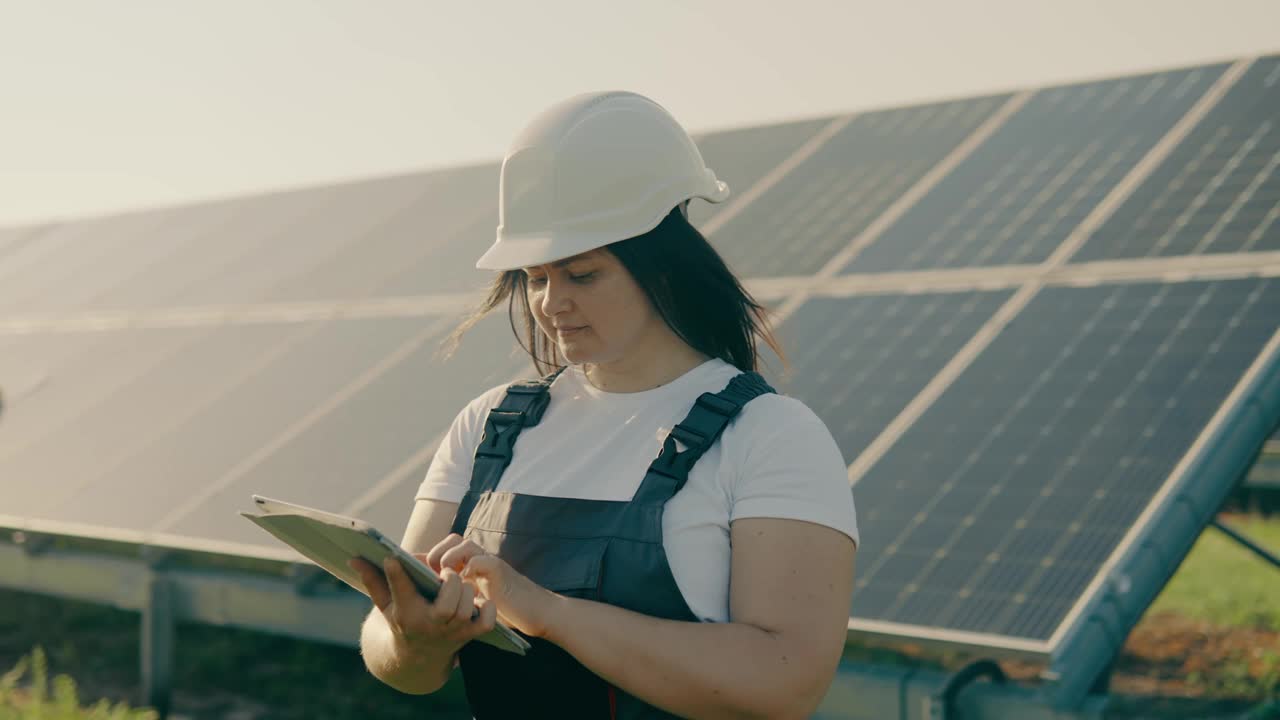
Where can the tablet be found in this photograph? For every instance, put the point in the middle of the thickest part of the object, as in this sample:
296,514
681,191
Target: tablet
331,540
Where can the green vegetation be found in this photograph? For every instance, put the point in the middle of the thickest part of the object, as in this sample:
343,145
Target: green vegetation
1226,584
40,699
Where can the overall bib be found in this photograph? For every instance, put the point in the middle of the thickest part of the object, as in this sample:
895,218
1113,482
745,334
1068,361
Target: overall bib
607,551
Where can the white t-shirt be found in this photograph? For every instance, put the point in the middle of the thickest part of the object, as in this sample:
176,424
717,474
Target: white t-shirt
776,459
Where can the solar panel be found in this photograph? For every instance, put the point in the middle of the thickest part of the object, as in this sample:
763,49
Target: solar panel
86,412
13,238
67,260
65,374
383,420
236,251
742,156
816,209
1217,192
857,361
226,421
389,511
1000,504
446,247
430,246
1019,195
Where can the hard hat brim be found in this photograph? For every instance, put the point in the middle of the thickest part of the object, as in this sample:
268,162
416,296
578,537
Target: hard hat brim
521,251
527,251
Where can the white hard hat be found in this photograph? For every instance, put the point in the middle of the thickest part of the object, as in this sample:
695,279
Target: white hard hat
592,170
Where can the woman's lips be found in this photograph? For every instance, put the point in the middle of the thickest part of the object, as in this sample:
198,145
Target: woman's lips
565,332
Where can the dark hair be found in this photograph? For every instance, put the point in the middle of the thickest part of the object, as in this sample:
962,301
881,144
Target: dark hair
687,281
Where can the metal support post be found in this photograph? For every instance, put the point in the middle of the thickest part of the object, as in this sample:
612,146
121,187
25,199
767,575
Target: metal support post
158,626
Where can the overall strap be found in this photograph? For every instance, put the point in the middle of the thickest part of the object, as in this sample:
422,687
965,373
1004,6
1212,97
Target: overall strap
700,429
521,408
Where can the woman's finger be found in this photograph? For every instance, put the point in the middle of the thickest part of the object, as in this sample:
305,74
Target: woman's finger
457,556
433,557
446,602
374,582
488,616
464,610
404,594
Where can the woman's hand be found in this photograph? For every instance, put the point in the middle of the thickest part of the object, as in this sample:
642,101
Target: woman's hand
522,603
422,627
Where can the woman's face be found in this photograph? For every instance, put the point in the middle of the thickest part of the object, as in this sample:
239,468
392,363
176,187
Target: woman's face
591,307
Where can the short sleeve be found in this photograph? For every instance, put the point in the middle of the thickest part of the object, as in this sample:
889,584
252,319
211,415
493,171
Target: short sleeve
449,474
792,469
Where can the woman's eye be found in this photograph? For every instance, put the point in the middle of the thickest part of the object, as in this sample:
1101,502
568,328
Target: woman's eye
581,278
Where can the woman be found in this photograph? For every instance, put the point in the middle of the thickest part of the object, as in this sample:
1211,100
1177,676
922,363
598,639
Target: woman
712,580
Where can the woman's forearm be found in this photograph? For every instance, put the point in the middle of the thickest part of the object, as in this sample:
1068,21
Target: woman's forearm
415,675
697,670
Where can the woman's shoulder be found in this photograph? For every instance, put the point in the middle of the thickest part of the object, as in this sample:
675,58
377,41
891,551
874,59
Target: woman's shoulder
774,413
480,405
781,428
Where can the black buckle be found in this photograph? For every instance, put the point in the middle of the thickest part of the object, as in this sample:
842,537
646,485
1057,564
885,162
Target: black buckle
503,418
532,388
717,404
687,435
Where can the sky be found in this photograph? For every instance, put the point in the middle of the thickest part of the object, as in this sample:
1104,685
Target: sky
108,107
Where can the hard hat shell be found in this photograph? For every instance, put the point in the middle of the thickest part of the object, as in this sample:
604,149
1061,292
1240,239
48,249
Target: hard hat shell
592,170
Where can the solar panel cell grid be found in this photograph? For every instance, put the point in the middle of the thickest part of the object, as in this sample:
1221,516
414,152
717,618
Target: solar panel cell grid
68,375
858,361
822,205
67,263
380,423
1217,192
236,252
88,412
741,157
1084,444
1021,193
439,236
227,424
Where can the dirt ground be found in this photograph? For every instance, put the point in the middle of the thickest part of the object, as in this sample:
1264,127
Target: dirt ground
1172,667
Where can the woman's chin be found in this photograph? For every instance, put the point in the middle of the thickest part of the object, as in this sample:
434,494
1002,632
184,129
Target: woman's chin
575,354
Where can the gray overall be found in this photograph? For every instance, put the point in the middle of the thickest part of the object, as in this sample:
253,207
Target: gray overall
608,551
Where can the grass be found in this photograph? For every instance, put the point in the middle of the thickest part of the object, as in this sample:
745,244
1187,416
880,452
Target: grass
1226,584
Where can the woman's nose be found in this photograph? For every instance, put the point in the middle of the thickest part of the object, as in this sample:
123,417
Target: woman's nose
555,297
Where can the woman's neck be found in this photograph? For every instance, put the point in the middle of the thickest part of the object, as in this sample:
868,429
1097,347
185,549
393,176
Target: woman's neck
654,366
